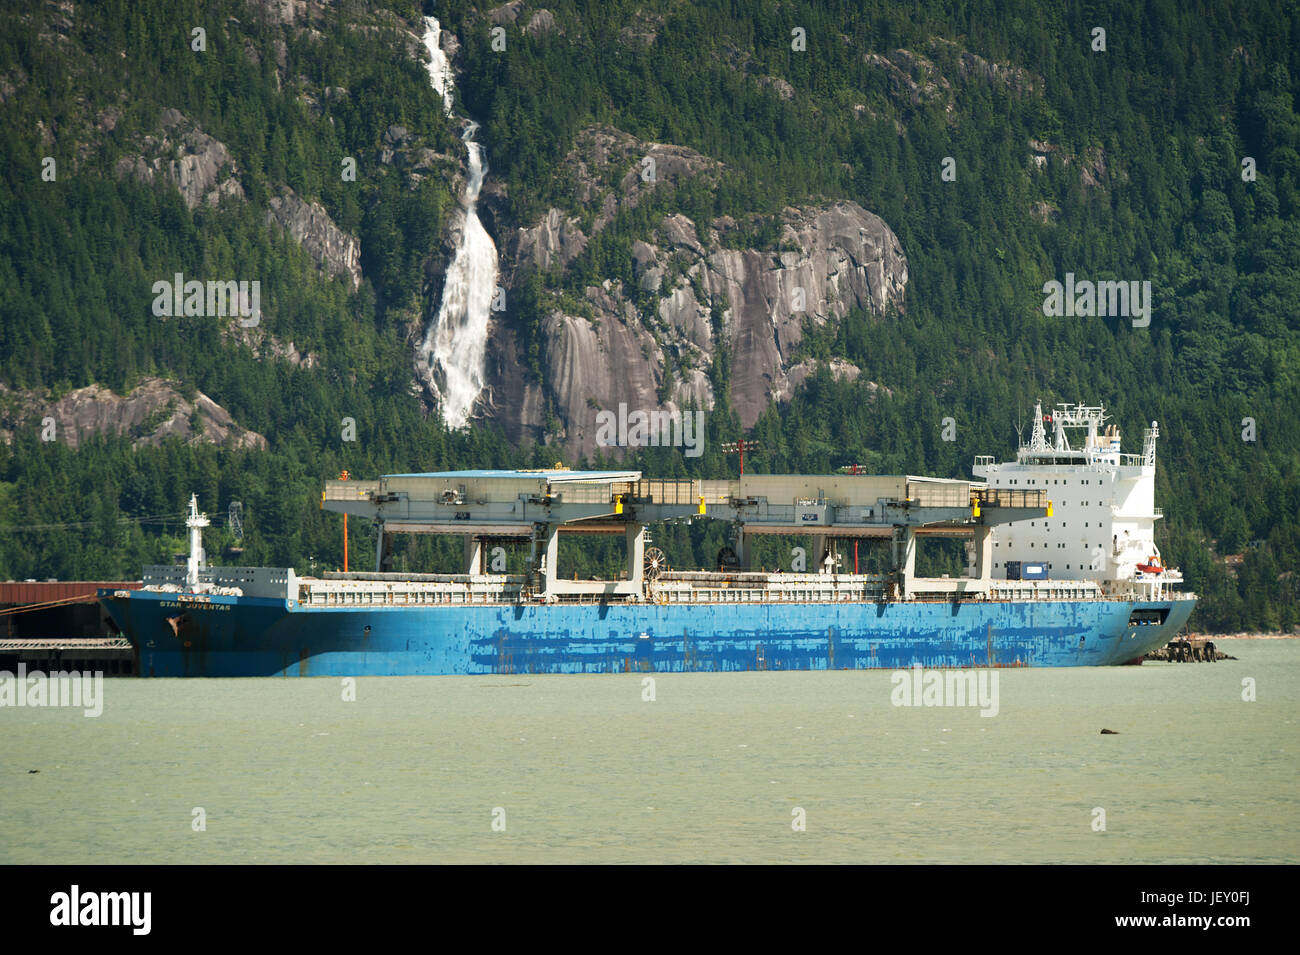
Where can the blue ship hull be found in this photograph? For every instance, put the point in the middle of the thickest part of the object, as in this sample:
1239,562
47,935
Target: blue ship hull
245,636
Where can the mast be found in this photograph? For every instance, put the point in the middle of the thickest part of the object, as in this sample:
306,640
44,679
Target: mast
1038,440
197,561
1149,445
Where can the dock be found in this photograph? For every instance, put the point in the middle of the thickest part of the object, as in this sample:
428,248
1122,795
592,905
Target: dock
113,656
52,625
1189,649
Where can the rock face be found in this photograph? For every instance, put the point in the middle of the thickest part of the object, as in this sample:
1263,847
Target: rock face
969,65
541,23
1092,164
783,89
506,14
187,157
731,294
154,410
741,59
839,369
642,29
283,11
915,80
205,172
846,258
334,250
607,171
556,240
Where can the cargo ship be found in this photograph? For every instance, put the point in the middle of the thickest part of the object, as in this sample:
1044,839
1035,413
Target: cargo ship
1041,586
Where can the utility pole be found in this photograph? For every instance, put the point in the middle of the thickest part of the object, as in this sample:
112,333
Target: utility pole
344,477
854,469
738,447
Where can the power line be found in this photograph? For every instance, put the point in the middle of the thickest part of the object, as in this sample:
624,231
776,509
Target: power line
83,525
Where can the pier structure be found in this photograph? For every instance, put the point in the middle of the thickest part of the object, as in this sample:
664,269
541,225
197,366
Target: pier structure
537,506
56,625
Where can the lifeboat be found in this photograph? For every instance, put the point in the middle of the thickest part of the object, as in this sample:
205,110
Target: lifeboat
1152,566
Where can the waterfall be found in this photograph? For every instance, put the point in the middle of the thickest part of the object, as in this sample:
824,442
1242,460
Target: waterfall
450,359
439,69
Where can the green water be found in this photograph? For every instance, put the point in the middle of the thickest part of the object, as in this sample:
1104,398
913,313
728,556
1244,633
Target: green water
710,771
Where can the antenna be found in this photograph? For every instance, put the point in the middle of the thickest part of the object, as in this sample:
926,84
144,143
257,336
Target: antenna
235,519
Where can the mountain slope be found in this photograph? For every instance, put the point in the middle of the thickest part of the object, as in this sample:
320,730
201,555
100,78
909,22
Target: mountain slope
997,147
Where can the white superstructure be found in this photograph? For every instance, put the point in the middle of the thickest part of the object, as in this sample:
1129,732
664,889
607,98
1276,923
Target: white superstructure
198,557
1102,517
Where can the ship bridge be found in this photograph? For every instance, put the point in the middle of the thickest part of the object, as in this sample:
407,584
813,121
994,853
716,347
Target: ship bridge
1105,515
486,506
